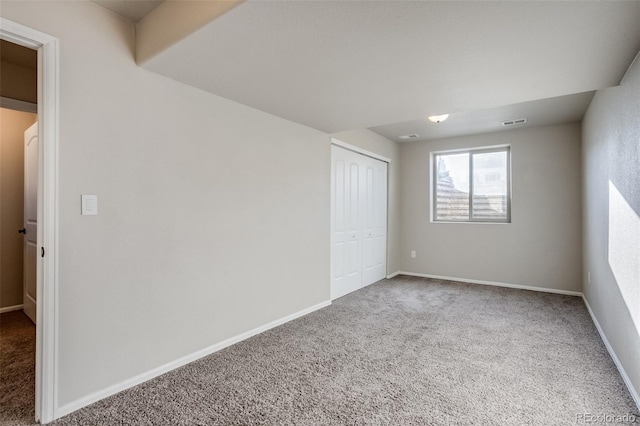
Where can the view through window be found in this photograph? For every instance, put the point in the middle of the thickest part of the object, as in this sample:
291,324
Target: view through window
472,185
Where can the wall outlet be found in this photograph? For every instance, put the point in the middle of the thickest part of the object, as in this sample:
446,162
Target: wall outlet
413,254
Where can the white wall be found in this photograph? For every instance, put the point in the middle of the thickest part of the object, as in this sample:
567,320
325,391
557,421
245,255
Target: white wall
214,217
373,142
611,206
12,127
541,247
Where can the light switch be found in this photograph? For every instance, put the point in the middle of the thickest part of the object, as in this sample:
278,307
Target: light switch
89,205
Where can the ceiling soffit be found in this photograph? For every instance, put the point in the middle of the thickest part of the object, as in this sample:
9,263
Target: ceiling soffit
343,65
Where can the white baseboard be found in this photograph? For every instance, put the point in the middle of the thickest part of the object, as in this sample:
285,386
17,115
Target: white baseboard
616,361
493,283
11,308
141,378
395,274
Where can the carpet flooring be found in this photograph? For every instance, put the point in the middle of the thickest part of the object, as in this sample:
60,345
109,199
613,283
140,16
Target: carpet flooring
406,351
17,368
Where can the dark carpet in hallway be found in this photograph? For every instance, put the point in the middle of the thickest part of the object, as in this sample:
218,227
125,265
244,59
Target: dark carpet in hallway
17,368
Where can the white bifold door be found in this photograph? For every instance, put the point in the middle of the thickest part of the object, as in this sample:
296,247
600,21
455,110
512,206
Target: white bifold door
358,221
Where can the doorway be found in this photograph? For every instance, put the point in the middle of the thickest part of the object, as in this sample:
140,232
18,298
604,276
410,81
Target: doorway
18,112
358,219
45,259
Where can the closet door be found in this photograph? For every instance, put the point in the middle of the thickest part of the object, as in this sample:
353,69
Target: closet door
358,221
346,219
374,260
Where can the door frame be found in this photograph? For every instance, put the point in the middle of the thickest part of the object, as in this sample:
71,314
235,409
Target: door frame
362,151
47,267
375,156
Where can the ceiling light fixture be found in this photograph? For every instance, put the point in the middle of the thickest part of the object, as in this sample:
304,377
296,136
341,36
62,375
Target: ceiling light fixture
438,118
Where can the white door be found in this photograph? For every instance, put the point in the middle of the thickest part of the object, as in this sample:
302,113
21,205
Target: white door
374,264
30,219
358,221
346,250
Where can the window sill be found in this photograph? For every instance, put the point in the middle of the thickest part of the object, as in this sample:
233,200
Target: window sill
469,222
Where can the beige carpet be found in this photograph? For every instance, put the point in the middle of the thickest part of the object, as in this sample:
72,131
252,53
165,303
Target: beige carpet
405,351
17,368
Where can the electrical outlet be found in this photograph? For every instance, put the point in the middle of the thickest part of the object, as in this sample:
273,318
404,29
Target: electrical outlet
413,254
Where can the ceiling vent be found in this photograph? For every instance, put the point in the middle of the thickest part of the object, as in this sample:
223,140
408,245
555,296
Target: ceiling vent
411,136
514,122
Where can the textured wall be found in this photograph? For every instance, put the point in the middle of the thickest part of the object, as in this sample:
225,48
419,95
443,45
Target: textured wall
541,247
611,205
213,217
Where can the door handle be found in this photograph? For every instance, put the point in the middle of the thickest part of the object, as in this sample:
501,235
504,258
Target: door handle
22,231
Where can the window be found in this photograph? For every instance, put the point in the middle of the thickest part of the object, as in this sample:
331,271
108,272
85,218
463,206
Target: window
472,185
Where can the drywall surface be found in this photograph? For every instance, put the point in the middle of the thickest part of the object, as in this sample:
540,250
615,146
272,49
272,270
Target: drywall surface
12,127
611,206
541,247
355,64
373,142
213,217
172,21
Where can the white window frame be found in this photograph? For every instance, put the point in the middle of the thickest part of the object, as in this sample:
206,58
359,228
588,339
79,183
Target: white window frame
470,151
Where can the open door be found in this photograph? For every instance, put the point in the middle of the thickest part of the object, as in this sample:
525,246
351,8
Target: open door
30,229
42,216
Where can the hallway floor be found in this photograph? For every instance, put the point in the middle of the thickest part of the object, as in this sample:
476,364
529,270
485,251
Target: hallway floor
17,368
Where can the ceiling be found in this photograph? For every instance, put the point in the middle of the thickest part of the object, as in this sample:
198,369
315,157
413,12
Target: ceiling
561,109
133,10
18,55
387,65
